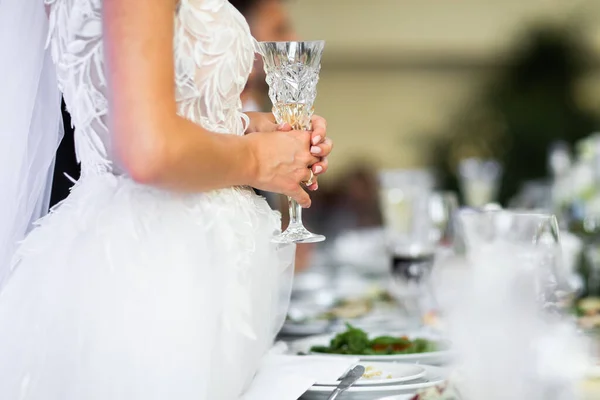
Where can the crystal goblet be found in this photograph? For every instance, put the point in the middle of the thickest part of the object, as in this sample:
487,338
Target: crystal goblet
292,70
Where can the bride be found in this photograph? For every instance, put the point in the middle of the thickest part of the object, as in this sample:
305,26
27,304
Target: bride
155,278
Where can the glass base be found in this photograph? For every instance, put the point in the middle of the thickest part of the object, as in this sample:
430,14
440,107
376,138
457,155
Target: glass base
297,234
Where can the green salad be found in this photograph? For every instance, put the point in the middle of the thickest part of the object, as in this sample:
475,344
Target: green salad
356,342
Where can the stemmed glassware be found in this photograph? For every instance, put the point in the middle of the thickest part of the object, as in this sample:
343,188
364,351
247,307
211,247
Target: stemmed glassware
292,70
405,197
509,317
442,207
508,239
479,181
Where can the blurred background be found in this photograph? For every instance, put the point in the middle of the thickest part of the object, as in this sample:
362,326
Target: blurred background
425,84
420,72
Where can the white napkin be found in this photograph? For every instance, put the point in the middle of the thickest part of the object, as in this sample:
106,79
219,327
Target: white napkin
287,377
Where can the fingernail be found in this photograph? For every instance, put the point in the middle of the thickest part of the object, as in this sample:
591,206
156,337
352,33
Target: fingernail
281,126
316,140
318,169
315,186
315,150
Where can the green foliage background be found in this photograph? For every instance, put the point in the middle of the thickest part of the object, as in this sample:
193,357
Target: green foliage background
522,111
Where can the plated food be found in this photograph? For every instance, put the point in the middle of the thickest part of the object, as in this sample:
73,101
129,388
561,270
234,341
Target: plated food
440,392
373,309
355,341
346,308
422,347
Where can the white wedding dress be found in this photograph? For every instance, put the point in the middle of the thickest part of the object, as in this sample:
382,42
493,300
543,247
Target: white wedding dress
128,292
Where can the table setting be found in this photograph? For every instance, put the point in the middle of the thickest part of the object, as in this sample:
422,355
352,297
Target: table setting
443,303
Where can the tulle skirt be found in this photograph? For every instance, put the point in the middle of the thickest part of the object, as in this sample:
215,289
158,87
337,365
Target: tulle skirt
126,292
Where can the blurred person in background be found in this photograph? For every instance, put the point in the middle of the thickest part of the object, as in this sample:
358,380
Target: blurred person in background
351,204
269,22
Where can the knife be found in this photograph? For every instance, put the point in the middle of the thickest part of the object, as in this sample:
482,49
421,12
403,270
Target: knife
347,381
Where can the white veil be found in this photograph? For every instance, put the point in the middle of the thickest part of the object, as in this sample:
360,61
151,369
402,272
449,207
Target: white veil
30,122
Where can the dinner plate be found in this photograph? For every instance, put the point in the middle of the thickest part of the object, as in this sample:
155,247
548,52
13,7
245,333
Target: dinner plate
376,320
439,357
305,329
433,376
382,373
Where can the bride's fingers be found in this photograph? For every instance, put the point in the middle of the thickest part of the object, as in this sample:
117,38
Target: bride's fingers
309,180
285,127
300,196
315,185
320,167
308,176
312,160
323,149
319,130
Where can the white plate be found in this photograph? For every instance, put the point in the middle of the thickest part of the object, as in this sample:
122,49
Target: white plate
430,358
387,374
433,376
305,329
375,320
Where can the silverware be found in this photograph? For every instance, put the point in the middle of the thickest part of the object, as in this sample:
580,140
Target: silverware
350,379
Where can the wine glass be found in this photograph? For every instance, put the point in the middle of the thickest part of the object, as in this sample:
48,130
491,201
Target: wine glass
514,239
292,70
442,207
405,197
479,181
505,319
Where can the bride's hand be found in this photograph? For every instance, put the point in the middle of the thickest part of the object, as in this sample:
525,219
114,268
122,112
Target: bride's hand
261,122
321,146
281,162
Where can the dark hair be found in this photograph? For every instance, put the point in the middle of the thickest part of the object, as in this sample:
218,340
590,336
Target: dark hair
245,6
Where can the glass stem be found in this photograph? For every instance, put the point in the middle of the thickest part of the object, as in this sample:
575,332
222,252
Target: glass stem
294,208
295,212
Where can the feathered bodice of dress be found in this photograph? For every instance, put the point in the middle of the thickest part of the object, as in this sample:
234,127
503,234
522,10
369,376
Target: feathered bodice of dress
213,55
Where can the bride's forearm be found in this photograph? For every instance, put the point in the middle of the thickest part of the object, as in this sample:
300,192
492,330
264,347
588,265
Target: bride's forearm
185,157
